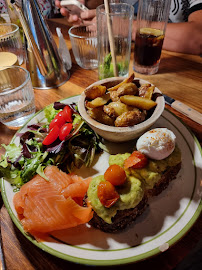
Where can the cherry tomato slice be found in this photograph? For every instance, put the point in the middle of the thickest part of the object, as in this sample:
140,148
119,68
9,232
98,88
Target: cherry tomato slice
52,136
59,121
59,115
107,194
64,131
67,114
115,175
137,160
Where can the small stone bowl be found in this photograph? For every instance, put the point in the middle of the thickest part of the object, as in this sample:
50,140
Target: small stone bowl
121,134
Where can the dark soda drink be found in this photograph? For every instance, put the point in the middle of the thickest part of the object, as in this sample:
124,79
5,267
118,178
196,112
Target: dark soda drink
148,46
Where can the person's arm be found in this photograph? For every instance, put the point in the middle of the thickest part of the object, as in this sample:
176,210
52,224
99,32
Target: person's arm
185,37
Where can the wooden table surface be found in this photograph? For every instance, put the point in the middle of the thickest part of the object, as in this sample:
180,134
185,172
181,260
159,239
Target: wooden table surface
180,77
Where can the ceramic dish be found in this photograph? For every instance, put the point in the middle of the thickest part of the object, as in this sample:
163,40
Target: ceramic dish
121,134
169,217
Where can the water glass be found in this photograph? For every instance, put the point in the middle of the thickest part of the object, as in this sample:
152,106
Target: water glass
152,19
84,45
121,18
16,96
11,41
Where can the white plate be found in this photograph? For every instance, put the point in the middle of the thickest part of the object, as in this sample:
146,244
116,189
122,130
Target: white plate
169,216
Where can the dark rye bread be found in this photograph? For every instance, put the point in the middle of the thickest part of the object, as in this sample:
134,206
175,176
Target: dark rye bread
163,183
124,218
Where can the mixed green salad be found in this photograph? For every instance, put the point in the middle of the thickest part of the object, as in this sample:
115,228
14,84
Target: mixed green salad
62,138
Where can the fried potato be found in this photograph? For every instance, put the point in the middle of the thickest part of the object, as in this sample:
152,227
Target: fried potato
127,80
149,92
114,109
99,101
99,115
143,89
139,102
127,89
130,118
95,91
114,96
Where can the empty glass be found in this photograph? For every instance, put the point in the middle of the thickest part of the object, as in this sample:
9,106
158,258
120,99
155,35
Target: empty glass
84,45
10,40
16,96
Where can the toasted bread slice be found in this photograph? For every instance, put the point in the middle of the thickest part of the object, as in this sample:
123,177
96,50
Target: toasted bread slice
124,218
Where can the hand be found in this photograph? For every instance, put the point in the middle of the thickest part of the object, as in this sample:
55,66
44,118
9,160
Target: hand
88,16
71,18
85,16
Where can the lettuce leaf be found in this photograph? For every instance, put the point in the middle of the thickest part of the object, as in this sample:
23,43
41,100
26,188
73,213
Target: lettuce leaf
50,112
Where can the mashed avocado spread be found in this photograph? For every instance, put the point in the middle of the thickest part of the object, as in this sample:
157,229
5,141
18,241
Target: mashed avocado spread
131,193
151,174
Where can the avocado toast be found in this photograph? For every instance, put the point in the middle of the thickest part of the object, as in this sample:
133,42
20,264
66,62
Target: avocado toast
142,182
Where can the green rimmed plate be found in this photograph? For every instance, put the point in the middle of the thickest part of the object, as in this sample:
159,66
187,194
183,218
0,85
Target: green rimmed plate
169,217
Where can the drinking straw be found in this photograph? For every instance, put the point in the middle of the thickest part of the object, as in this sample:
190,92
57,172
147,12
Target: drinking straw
111,37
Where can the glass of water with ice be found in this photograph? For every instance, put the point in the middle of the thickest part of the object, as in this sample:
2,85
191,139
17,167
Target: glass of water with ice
16,96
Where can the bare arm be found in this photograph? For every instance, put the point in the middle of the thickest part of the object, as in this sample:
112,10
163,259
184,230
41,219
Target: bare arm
185,37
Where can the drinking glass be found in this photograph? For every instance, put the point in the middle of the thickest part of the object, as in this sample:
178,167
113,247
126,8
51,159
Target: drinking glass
152,19
16,96
84,45
10,40
121,18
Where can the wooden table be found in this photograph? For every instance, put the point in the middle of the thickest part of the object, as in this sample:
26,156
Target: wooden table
179,76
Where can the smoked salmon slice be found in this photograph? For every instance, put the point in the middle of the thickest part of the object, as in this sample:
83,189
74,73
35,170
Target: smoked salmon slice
44,206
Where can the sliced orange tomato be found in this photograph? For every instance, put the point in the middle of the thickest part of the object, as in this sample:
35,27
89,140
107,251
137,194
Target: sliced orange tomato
107,194
137,160
115,175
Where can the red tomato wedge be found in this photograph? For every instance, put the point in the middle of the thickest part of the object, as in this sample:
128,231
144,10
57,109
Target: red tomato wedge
137,160
67,114
64,131
59,121
52,136
107,194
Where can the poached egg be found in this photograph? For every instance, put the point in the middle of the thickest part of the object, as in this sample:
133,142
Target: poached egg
157,143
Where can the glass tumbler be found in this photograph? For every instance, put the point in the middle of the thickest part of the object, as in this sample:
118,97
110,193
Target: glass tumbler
10,40
152,19
16,96
84,45
121,18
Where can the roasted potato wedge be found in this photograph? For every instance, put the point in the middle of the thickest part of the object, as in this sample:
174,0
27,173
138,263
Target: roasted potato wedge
130,118
143,89
99,101
127,89
99,115
95,91
127,80
149,92
138,102
115,109
114,96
